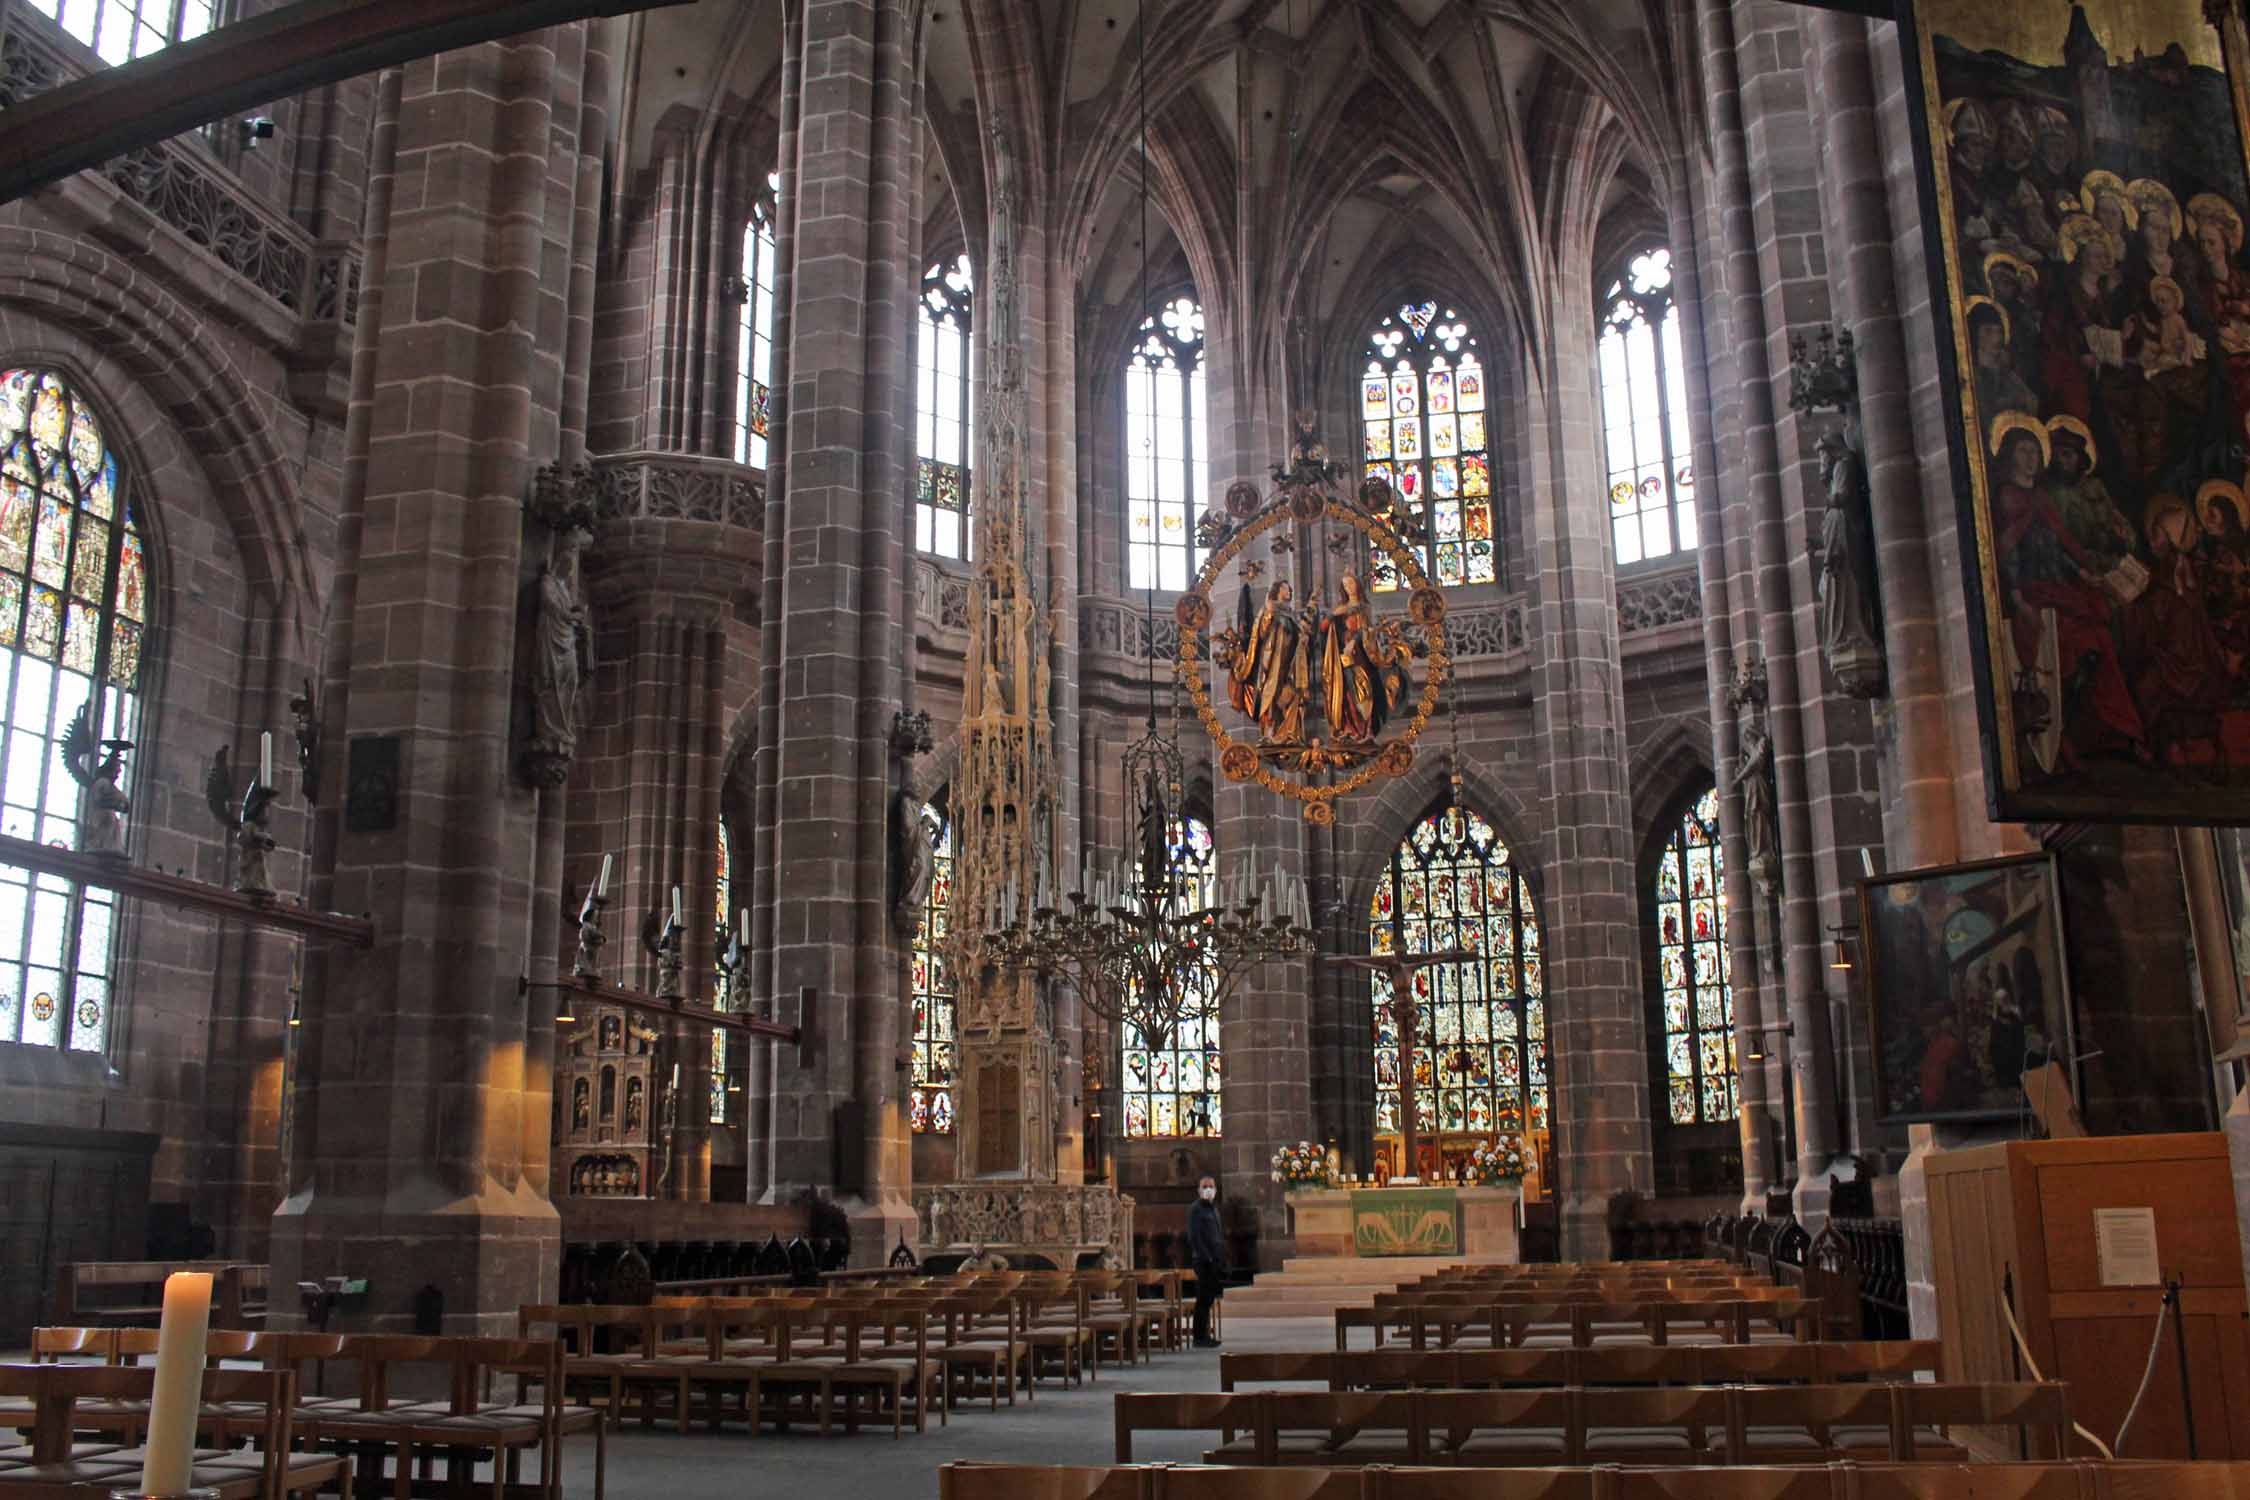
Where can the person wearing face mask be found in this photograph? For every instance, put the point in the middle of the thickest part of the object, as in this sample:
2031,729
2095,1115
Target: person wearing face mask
1207,1249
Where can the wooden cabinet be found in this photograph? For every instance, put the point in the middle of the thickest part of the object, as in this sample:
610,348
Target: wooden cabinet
2026,1210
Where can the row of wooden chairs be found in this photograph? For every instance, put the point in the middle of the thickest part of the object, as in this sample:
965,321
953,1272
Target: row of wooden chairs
415,1399
1580,1323
1738,1424
1843,1480
1829,1363
246,1429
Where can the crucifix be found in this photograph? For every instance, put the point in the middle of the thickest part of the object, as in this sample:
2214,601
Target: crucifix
1398,968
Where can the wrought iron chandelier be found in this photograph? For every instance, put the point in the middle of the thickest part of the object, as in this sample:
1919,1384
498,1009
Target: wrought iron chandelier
1143,946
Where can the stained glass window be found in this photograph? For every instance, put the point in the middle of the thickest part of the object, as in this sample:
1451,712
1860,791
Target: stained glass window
1167,448
1644,414
121,30
1172,1083
1695,976
944,409
1422,414
930,1100
1480,1054
723,904
74,610
753,349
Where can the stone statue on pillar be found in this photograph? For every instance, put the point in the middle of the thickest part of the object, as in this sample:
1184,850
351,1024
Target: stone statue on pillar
913,859
1823,378
562,644
1754,775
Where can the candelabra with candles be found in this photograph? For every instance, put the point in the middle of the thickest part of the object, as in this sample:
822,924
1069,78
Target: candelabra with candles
663,943
1140,946
590,935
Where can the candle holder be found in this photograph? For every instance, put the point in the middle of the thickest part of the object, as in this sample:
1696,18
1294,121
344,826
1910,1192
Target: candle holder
255,843
660,939
590,937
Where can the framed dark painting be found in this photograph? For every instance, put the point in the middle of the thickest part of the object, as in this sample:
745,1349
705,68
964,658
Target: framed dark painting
2084,192
1967,987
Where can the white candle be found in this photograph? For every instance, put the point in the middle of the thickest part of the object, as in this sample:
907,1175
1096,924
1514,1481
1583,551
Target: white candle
676,905
180,1344
742,928
601,886
265,758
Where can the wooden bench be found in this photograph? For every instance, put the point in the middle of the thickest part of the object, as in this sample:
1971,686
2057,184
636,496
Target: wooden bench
130,1293
1609,1364
57,1403
1849,1480
1736,1424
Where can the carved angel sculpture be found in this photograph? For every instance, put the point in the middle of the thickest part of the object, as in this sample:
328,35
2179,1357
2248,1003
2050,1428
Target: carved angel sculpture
96,765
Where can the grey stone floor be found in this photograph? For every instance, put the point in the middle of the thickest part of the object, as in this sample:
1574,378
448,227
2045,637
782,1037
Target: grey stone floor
1063,1426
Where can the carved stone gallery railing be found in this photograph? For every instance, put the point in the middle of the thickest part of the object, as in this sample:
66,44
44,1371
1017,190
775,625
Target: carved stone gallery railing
941,597
1120,627
1673,597
1057,1220
679,487
179,184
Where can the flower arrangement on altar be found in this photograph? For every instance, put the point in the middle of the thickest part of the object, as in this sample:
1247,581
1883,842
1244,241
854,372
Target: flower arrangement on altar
1300,1166
1501,1159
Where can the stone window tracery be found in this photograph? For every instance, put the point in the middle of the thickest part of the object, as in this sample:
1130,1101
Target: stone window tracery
74,612
1644,414
1173,1089
944,409
1167,448
1480,1057
753,349
120,30
930,1098
1695,989
1423,413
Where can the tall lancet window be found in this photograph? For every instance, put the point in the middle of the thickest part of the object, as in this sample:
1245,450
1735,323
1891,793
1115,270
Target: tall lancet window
945,410
1422,418
1172,1083
1167,448
723,904
1480,1053
1695,976
930,1095
1644,414
121,30
74,609
753,348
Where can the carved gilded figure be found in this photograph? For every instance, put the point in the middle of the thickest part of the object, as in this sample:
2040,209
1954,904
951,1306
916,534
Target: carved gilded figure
1271,675
1355,699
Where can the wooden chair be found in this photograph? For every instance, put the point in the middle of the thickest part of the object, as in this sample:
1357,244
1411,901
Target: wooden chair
1335,1428
1496,1429
1190,1411
1652,1425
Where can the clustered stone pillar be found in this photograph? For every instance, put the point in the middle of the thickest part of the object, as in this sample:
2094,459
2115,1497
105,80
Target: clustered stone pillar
421,1147
1598,1073
832,612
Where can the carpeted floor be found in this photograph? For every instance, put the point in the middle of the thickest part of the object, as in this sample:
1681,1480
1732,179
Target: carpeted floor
1063,1426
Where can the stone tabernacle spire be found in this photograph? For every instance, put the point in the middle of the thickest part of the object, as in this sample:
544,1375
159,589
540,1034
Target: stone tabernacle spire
1004,791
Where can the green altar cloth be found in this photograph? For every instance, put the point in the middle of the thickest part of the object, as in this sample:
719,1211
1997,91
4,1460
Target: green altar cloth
1406,1221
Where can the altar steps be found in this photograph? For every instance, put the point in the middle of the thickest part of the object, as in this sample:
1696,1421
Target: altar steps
1309,1286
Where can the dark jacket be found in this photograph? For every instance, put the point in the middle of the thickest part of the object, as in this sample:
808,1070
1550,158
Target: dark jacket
1207,1246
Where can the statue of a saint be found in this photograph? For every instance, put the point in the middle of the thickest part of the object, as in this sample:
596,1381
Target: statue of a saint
1271,672
917,863
1354,697
562,657
1845,561
1761,825
1002,252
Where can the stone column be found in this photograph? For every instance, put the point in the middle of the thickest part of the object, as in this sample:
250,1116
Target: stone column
832,611
1589,910
1704,349
415,1165
1761,481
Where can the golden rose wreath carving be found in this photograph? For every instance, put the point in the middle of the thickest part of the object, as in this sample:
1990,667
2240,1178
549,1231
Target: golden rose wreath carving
1320,734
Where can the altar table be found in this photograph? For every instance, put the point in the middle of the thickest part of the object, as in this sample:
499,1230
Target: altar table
1475,1223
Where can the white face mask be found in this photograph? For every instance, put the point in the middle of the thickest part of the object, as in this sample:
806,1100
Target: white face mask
1208,1193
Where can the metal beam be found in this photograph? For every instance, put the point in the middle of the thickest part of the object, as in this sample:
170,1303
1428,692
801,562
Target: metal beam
1874,10
112,873
285,51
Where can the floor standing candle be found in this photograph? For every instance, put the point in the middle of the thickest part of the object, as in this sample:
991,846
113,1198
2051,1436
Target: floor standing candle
179,1383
